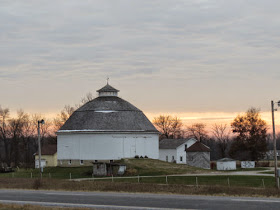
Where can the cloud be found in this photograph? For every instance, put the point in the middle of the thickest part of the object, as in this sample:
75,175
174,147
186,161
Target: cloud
182,53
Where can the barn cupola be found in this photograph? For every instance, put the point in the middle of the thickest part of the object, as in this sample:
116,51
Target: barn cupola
107,90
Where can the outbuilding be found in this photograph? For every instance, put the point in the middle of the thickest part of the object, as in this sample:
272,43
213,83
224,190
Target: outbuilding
173,150
226,164
48,156
198,155
105,129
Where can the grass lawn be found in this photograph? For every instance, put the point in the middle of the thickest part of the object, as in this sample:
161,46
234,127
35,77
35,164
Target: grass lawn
142,167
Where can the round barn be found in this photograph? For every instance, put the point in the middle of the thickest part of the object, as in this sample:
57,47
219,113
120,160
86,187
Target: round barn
106,128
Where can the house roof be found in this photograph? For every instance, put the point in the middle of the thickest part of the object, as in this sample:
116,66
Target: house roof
108,114
107,88
171,143
49,149
225,160
198,147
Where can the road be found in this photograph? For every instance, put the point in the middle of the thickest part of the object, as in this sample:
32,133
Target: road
110,200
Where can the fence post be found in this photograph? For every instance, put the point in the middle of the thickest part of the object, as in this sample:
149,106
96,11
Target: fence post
196,181
138,179
70,176
228,182
50,176
112,178
263,183
166,181
31,175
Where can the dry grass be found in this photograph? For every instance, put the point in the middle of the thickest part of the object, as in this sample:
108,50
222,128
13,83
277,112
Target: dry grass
33,207
53,184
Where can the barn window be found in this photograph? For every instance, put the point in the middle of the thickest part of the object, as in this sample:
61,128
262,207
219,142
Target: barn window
173,158
81,162
70,162
181,158
166,158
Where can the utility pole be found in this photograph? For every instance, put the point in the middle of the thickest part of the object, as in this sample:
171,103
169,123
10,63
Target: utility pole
39,146
274,145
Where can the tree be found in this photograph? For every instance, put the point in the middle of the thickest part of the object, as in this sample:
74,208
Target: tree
61,118
197,131
222,135
168,126
4,132
250,142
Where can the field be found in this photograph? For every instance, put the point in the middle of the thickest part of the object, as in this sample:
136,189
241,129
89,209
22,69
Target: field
144,175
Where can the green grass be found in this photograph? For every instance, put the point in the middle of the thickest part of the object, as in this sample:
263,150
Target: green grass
51,172
221,180
142,167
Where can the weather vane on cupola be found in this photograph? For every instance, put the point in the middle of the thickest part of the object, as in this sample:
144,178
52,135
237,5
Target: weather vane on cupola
107,80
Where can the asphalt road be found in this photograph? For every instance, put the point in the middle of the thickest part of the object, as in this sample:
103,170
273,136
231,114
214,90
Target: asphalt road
104,200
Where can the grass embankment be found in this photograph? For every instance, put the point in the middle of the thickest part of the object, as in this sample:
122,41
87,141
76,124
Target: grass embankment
150,167
142,167
55,184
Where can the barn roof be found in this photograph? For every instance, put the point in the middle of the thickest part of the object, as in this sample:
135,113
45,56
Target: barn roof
108,114
171,143
107,88
49,149
198,147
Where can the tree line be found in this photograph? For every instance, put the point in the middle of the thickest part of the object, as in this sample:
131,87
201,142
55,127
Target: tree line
19,134
246,138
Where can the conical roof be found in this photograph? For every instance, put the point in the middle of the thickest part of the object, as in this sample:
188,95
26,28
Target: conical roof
108,114
107,88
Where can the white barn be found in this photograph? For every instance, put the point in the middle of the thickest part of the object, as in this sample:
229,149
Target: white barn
173,150
104,129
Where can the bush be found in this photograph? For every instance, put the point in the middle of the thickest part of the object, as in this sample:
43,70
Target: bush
146,156
136,156
141,157
37,184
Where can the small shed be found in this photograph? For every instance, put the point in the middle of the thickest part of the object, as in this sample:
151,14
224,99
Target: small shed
48,156
198,155
108,169
226,164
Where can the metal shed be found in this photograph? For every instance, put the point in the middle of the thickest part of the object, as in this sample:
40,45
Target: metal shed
226,164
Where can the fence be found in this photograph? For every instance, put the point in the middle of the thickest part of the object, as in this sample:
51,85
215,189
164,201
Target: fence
192,180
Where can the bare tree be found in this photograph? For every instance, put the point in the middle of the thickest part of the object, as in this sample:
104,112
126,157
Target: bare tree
88,97
16,126
4,131
168,126
197,131
63,116
221,134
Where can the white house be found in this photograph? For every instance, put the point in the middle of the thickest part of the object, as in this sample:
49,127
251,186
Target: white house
173,150
104,129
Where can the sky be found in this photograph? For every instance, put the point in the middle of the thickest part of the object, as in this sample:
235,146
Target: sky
200,60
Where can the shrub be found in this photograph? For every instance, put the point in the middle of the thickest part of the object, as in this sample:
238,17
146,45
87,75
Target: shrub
37,184
136,156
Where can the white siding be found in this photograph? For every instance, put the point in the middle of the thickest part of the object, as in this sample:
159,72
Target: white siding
177,153
106,146
163,153
181,151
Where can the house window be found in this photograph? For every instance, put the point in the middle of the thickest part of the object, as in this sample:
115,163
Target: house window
181,158
186,146
81,162
173,158
166,158
70,162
